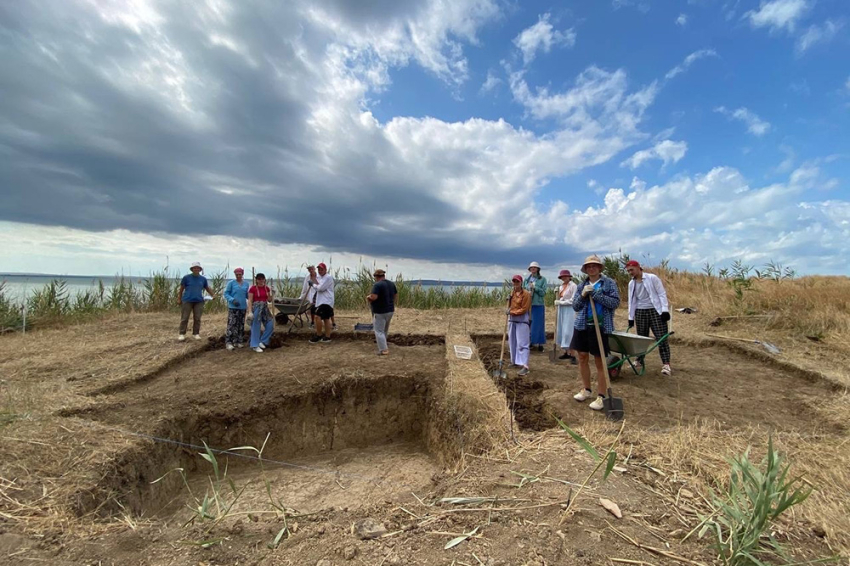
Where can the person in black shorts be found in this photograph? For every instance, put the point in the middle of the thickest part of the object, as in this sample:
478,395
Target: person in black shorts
323,284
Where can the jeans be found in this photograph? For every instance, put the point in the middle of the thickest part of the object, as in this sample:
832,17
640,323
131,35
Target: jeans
259,310
196,310
382,328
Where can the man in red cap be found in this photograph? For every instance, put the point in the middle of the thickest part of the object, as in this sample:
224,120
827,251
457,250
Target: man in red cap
649,309
323,283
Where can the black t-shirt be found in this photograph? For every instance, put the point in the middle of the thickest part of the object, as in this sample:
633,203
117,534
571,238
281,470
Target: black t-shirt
385,302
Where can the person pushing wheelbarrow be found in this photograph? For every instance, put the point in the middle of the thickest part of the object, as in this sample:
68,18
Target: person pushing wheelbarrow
585,342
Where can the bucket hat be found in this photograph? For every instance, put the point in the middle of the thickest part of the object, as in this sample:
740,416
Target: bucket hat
589,260
565,273
533,264
196,264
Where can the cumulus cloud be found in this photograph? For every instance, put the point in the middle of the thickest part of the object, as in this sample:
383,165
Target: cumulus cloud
755,125
815,34
688,61
682,20
667,151
778,14
542,36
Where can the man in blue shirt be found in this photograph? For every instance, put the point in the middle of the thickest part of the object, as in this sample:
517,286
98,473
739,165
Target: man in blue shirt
382,299
191,300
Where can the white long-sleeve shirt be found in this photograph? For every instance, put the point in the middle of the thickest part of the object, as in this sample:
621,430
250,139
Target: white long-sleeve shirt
305,289
565,295
325,290
657,294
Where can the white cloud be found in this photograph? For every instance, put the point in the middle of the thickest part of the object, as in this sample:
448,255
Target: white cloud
667,151
778,14
542,36
688,61
682,20
755,125
847,84
641,5
490,83
815,34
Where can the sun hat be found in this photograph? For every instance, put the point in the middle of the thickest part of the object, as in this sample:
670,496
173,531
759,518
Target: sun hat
238,270
517,278
589,260
632,263
533,264
379,272
196,264
565,273
322,265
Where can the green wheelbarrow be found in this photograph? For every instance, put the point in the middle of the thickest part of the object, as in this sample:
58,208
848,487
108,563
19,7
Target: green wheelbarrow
627,348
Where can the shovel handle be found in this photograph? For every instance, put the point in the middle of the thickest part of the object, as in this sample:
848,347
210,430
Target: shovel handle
601,346
504,336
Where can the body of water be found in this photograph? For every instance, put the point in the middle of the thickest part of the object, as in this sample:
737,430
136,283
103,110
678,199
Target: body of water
16,286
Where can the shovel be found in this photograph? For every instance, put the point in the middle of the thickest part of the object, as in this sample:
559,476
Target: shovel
613,406
553,355
499,372
772,348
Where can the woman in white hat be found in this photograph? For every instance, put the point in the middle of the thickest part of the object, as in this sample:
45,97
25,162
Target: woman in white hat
566,314
190,296
536,285
606,297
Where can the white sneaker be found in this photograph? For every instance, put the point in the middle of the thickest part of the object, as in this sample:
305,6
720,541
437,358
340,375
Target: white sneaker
597,405
181,337
229,346
258,350
583,395
665,369
240,345
263,346
196,336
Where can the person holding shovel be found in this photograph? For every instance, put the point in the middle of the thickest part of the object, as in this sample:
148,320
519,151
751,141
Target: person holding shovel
519,326
308,291
606,298
190,297
566,315
259,314
648,306
382,300
236,296
536,285
323,283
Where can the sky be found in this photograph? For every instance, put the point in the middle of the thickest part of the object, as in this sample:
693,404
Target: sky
444,139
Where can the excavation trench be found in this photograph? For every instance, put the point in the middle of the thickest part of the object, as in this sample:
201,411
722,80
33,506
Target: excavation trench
345,428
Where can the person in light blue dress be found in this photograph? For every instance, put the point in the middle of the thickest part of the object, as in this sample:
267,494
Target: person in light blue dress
535,284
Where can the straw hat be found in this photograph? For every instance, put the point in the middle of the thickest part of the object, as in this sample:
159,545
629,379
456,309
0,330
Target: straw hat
565,273
533,264
589,260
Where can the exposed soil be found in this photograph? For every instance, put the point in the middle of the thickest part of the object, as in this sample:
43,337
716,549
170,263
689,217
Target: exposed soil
737,393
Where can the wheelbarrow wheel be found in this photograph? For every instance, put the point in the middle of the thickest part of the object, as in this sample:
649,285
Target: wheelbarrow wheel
281,318
613,372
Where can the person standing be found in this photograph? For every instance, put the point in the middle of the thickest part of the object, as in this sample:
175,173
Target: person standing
519,325
566,315
606,297
260,296
236,296
382,299
649,308
190,297
535,284
323,283
308,292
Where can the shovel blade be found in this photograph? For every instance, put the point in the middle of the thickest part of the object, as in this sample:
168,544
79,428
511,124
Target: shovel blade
614,408
553,356
499,372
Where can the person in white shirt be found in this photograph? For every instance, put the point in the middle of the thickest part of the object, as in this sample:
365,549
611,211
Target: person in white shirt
649,309
323,283
566,315
309,293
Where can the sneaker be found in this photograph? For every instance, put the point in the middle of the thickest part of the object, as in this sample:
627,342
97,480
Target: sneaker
334,327
196,336
564,356
573,361
597,405
263,346
540,348
181,337
325,339
523,371
665,369
229,346
240,345
315,339
258,350
583,395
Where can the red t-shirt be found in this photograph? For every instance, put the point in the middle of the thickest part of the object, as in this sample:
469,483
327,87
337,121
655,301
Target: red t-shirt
260,293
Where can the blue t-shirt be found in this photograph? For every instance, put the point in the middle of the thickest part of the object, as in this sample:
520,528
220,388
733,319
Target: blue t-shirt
385,302
600,312
194,288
